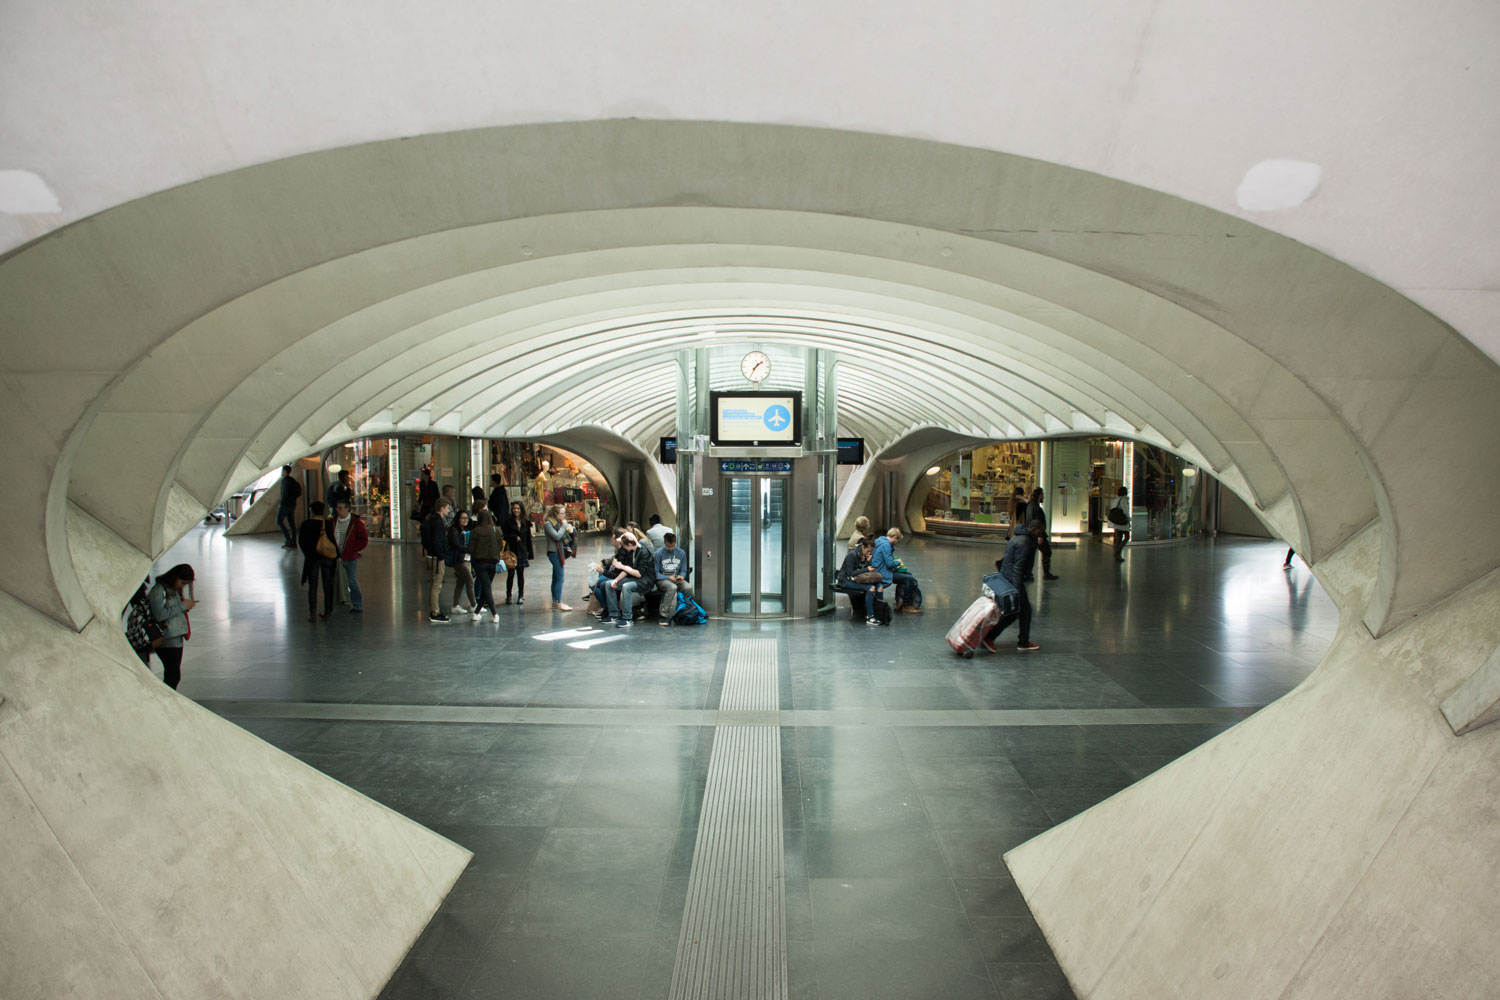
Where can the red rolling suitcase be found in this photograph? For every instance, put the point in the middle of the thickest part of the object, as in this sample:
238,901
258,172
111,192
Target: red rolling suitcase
967,633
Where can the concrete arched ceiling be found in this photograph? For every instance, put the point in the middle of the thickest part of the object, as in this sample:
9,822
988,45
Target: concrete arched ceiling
532,280
1363,129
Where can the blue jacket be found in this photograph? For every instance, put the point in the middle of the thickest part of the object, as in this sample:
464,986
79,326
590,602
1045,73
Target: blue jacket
673,563
884,559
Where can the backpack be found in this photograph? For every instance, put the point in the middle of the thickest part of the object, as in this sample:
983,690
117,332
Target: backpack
882,611
689,612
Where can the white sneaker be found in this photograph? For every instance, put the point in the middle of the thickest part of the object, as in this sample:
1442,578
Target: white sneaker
478,616
494,616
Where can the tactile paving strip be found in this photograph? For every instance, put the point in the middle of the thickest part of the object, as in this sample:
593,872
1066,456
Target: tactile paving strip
733,942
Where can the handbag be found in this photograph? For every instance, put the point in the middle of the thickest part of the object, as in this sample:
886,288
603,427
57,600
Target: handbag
507,556
325,547
868,576
1117,516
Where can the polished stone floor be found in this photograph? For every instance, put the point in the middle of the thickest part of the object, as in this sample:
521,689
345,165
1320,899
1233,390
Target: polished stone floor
573,763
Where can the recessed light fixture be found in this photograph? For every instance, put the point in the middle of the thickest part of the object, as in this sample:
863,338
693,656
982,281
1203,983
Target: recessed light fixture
1189,472
934,470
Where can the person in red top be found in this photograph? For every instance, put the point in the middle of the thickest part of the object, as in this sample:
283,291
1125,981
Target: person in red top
350,538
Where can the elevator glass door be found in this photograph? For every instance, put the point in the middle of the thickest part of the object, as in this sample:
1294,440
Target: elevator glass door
755,567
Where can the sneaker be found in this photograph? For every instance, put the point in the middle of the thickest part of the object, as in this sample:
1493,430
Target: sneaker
560,606
1027,647
1050,576
438,619
987,644
495,616
356,611
872,620
624,623
478,617
907,609
520,600
665,622
460,609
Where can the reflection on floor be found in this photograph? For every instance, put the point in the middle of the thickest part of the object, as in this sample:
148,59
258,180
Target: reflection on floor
573,763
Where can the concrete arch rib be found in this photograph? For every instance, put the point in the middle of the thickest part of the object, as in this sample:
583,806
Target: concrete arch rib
1307,373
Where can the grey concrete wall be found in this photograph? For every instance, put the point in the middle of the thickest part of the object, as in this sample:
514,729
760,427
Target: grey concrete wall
1340,843
154,850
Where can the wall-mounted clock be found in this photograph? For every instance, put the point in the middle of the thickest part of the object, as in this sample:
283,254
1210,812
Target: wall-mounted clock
756,367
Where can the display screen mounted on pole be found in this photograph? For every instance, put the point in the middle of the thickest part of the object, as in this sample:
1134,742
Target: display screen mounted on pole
756,419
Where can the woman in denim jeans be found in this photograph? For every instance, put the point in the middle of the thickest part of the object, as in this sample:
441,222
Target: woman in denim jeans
559,538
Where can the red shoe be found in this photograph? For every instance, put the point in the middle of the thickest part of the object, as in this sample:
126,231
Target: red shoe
1027,647
988,645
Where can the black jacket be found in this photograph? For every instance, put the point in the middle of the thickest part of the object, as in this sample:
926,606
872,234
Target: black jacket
435,536
641,560
499,505
307,541
518,537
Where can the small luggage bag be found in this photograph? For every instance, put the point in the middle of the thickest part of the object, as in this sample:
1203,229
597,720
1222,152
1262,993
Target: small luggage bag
968,632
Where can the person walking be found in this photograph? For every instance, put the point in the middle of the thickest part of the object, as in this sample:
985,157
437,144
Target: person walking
559,542
286,506
319,557
460,558
170,607
517,529
484,550
350,536
1015,566
1034,512
1119,517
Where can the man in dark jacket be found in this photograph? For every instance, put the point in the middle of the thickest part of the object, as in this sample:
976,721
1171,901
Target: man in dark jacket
1020,554
498,503
435,545
633,573
286,508
1035,513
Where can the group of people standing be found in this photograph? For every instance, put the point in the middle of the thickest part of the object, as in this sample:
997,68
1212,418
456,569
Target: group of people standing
474,543
870,566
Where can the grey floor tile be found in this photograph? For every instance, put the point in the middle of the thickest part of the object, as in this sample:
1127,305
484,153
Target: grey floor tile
871,854
523,967
887,909
605,852
901,970
980,852
577,906
1032,981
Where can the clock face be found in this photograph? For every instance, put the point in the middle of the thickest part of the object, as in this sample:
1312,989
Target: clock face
756,366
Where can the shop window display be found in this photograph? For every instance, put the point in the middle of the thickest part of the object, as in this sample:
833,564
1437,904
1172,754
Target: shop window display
974,487
549,475
369,465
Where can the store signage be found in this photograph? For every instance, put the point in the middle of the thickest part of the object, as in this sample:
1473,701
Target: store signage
742,465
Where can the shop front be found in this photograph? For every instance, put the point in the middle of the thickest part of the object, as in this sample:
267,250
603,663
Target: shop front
968,493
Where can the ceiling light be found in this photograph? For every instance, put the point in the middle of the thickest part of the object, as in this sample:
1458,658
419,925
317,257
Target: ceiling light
934,470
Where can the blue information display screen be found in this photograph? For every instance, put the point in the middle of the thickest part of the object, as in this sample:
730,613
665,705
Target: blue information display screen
761,418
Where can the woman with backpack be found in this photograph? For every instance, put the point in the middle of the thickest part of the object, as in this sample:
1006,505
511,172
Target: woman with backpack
170,607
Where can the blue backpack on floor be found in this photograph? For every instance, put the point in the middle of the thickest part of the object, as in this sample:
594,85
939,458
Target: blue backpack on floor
689,612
